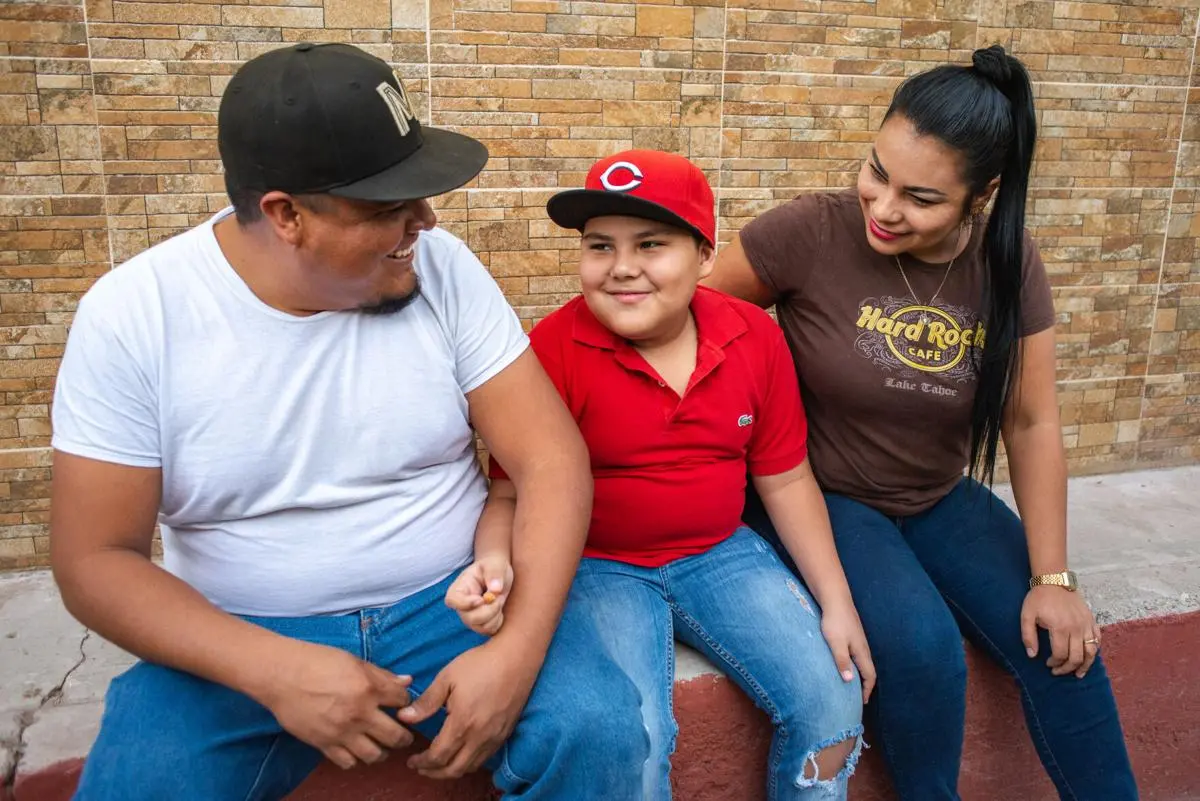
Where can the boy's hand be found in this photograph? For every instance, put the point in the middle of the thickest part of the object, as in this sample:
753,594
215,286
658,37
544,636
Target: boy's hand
479,593
844,633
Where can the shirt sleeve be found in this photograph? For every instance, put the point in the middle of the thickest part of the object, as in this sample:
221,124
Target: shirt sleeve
1037,301
547,343
487,336
105,398
783,244
780,439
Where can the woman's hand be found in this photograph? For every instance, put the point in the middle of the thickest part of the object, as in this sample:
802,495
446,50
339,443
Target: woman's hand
1074,635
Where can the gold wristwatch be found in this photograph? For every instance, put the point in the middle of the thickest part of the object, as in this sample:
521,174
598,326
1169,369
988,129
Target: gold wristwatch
1065,579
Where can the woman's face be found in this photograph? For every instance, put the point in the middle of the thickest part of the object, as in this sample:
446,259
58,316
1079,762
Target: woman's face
912,193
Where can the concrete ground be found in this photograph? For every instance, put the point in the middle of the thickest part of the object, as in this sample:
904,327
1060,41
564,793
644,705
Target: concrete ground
1134,541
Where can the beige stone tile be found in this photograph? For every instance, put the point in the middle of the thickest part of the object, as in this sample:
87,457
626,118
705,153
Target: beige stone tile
51,251
680,35
1170,420
366,14
888,37
1100,422
799,130
545,126
1181,262
48,138
1090,237
813,130
1188,171
1175,344
1107,135
24,474
1103,331
1104,42
43,30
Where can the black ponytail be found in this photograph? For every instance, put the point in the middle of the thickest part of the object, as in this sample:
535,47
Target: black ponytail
986,113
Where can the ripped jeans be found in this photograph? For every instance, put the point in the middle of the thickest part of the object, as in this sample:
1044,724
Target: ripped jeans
739,606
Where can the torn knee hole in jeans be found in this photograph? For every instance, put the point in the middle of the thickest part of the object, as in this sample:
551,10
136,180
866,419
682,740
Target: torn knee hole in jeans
813,774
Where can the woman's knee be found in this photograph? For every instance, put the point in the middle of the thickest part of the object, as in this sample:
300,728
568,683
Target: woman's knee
921,647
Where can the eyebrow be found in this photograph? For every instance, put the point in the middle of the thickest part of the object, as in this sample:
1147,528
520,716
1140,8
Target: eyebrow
920,190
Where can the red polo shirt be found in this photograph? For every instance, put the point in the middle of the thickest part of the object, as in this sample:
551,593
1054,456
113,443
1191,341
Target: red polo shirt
670,472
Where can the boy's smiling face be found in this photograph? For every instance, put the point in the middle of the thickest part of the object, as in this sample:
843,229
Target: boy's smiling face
639,276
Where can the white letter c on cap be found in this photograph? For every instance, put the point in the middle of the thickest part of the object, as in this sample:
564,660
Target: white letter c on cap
634,182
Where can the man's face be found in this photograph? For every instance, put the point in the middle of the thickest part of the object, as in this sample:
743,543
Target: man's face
357,254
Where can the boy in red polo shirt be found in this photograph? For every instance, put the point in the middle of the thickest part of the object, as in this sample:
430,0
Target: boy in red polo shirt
679,392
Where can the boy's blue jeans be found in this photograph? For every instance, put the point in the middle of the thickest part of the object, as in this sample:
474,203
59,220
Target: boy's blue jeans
920,584
739,606
171,736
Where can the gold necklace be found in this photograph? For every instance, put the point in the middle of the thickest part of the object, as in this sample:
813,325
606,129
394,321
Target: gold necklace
933,297
924,315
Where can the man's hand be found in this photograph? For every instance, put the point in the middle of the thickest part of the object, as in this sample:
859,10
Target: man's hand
479,593
483,692
1074,635
332,701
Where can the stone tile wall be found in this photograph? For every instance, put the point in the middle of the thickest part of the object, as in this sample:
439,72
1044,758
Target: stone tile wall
108,145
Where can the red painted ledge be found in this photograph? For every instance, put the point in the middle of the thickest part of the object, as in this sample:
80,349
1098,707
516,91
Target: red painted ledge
723,739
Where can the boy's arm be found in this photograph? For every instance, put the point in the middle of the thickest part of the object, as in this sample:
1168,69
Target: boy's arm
481,590
777,456
493,534
797,510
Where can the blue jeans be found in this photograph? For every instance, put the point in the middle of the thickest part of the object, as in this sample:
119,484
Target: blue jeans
738,605
922,582
169,735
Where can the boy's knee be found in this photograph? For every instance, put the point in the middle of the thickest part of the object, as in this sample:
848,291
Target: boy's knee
832,761
599,725
616,721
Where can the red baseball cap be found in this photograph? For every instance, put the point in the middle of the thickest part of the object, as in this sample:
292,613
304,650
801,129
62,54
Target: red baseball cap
641,183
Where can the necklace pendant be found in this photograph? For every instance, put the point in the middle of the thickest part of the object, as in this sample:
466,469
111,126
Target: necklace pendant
925,319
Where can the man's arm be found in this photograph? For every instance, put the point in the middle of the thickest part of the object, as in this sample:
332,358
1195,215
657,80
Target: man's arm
102,519
528,428
525,423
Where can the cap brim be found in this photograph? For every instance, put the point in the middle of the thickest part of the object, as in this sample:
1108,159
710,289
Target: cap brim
573,208
446,160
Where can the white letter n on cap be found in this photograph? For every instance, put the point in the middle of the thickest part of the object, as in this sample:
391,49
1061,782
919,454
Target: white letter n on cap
397,103
634,181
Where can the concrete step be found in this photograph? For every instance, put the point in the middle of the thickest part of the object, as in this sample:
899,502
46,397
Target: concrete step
1134,542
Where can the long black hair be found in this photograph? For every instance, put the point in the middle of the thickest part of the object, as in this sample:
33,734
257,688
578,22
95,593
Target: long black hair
986,113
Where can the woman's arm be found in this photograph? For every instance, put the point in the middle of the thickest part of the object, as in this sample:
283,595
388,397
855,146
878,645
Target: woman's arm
733,275
1037,463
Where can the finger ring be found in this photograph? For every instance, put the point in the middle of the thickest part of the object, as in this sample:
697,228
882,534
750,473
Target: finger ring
1091,642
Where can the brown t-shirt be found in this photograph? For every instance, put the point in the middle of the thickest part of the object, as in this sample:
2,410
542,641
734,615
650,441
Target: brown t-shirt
887,382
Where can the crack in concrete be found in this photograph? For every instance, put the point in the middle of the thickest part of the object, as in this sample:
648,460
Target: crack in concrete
28,716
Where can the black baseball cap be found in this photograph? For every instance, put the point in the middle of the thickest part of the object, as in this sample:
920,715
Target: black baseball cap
332,118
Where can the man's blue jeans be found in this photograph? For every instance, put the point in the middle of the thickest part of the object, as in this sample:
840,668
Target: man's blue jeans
738,605
171,736
923,582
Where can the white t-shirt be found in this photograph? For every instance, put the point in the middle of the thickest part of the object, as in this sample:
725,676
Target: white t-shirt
310,465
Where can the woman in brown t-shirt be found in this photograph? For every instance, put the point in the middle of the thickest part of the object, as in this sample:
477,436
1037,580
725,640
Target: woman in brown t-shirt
923,332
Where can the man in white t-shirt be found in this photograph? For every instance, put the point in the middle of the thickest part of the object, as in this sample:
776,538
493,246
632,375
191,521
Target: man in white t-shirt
291,390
